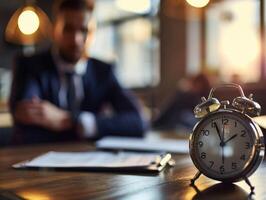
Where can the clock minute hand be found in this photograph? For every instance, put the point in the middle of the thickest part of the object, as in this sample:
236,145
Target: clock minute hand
232,137
218,132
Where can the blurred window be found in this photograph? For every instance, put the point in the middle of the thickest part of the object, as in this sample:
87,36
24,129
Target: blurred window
193,42
127,34
5,83
232,40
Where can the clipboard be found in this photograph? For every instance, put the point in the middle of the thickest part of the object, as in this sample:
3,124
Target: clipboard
98,161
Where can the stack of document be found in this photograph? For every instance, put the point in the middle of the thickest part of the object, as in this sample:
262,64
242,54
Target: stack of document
114,160
99,160
147,144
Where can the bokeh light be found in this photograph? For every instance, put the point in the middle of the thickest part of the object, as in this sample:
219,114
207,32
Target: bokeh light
135,6
28,21
198,3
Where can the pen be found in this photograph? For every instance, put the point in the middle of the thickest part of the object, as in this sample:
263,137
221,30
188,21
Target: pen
165,159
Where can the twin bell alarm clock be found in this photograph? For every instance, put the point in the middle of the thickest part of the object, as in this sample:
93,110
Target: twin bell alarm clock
226,144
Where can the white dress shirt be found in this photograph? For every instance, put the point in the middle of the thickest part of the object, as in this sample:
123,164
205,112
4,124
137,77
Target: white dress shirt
86,119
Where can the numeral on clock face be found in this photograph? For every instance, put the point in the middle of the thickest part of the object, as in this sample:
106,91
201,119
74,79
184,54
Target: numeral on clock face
243,133
200,144
234,165
225,121
211,163
205,132
203,155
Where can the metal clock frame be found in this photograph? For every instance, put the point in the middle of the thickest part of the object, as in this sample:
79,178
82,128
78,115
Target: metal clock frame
254,160
258,148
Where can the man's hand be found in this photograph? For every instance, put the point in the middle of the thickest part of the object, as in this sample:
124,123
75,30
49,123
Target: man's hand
42,113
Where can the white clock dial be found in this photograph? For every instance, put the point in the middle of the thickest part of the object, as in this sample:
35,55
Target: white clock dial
223,145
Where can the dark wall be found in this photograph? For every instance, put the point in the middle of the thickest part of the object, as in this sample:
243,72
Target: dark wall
173,48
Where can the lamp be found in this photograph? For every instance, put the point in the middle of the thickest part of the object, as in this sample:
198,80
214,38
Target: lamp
136,6
28,25
198,3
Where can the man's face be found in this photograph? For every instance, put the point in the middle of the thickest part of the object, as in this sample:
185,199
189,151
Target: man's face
70,34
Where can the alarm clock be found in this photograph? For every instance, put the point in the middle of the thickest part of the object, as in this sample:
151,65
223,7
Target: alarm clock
226,144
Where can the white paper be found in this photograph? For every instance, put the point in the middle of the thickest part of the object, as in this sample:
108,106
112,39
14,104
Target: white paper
167,145
91,159
261,121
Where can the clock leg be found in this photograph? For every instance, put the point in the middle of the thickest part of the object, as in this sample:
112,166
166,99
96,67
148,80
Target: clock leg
197,175
195,188
249,184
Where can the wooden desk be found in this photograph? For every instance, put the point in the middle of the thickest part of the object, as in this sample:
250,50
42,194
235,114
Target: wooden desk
5,120
172,183
5,117
3,106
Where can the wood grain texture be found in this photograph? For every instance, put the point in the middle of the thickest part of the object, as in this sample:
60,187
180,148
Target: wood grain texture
172,183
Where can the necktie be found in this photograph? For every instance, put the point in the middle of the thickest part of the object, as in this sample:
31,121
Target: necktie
71,93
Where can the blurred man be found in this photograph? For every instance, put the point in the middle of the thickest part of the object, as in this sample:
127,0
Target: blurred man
60,94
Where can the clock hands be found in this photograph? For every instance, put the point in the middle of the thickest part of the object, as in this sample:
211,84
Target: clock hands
222,145
218,132
223,142
223,137
232,137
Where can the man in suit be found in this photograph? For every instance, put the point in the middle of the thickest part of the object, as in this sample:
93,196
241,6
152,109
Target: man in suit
59,95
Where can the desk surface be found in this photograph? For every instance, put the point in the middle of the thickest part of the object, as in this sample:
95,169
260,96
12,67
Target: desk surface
172,183
5,120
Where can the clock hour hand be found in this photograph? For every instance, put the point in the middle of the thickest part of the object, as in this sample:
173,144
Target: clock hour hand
232,137
218,132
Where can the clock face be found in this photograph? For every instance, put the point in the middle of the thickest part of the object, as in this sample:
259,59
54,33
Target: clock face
223,145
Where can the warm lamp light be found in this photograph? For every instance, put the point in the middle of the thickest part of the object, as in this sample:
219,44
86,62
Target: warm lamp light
28,21
35,195
198,3
135,6
28,26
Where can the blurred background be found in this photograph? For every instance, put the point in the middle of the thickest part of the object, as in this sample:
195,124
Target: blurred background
168,52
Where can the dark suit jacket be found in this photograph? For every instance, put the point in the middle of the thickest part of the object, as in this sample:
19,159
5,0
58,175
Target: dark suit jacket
38,76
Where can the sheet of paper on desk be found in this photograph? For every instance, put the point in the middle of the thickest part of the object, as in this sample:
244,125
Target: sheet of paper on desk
95,159
167,145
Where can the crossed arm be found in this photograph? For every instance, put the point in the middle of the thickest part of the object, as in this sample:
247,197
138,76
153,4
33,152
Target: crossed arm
42,113
30,108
